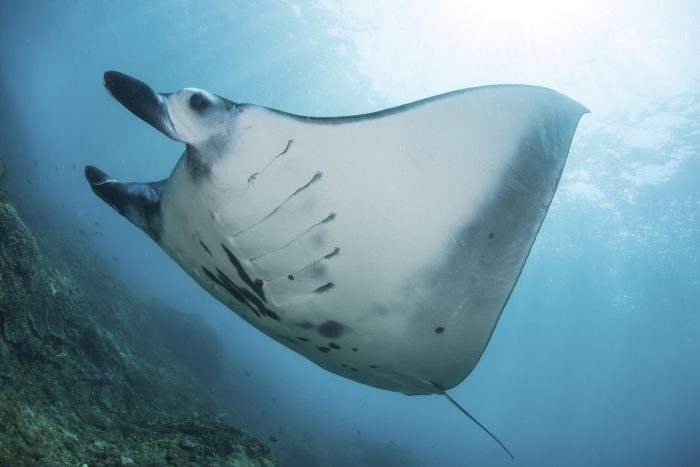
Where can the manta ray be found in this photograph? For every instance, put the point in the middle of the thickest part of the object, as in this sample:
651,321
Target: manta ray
383,247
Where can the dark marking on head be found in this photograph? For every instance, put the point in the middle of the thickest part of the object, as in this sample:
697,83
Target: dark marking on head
490,235
324,288
373,366
303,339
439,330
199,102
198,165
290,277
332,329
206,248
323,349
306,325
333,345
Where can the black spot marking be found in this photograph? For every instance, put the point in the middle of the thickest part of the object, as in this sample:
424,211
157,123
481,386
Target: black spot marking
490,235
306,325
343,365
255,285
333,345
290,277
272,314
354,369
323,349
324,288
206,248
439,330
303,339
224,282
241,294
259,285
354,349
260,305
373,366
332,329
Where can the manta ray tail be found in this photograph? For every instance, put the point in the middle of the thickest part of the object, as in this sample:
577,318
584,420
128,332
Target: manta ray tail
461,409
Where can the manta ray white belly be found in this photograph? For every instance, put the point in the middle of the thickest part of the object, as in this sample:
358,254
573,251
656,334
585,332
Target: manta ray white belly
338,238
382,247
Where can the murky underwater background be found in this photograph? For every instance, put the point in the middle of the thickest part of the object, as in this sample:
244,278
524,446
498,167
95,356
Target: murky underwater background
596,358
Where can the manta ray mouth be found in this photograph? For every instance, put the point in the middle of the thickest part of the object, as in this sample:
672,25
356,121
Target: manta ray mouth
141,100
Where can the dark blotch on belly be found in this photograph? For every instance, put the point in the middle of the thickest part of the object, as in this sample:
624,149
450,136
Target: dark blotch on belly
331,329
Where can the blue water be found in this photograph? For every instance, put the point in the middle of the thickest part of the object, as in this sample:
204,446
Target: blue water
596,358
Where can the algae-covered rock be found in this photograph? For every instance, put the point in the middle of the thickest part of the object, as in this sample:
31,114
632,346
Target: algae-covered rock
23,287
86,377
3,184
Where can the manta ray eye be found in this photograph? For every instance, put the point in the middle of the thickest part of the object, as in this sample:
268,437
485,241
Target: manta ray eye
199,102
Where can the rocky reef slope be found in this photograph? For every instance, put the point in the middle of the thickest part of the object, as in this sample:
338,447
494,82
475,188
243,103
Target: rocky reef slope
88,374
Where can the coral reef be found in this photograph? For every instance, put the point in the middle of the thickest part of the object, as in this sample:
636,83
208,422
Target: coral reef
3,187
86,375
